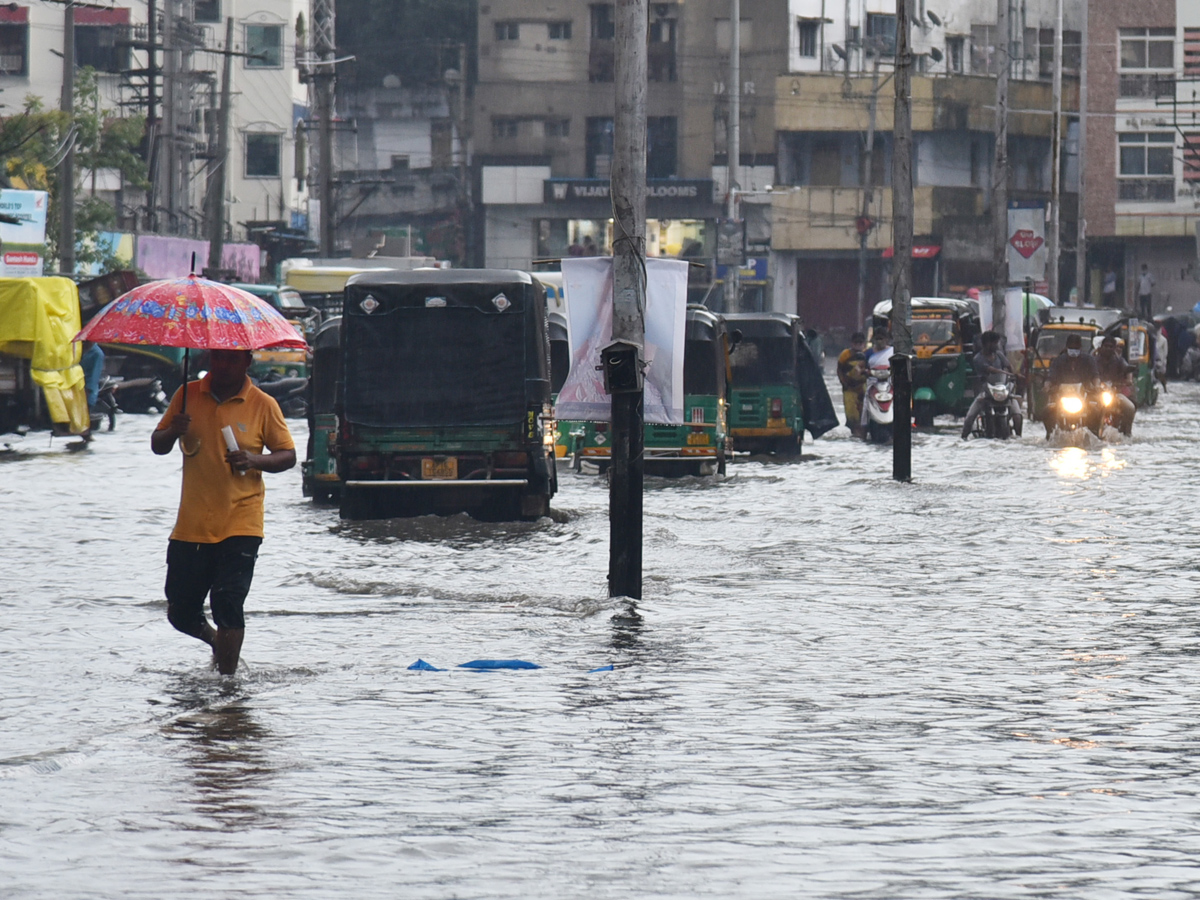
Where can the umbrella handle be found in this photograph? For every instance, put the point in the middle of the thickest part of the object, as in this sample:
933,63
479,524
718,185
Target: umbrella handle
183,399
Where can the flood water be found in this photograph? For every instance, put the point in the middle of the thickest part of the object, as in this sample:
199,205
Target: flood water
980,685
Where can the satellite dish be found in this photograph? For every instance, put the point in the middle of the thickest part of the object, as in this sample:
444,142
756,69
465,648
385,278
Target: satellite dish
841,54
391,81
933,18
935,54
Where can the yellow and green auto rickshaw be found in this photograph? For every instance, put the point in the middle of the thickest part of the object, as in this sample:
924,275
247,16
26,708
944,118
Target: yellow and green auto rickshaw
943,336
777,390
444,395
1049,339
1138,338
320,478
696,447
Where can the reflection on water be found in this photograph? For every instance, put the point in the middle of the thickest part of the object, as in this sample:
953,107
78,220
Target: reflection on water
973,686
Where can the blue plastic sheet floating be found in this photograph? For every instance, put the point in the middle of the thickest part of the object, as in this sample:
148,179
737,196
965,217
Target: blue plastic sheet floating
422,666
483,664
608,668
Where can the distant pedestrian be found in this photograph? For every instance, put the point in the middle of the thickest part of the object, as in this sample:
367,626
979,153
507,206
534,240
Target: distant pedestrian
1145,293
852,373
1110,288
220,524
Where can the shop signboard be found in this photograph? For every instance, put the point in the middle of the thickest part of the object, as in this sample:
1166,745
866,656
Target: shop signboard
570,190
23,245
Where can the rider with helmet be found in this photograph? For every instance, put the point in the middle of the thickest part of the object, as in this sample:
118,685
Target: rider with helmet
990,361
1072,366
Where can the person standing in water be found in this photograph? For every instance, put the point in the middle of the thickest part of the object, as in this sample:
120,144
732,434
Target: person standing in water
219,527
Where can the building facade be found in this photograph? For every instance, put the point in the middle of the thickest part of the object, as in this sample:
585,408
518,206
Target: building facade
543,124
831,205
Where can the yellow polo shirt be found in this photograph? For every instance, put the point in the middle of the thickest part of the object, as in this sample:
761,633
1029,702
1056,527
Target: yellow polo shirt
216,503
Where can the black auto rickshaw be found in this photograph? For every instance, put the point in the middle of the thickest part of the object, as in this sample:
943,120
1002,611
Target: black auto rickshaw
445,395
320,476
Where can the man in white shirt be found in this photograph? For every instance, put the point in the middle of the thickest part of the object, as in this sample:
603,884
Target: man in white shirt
1145,292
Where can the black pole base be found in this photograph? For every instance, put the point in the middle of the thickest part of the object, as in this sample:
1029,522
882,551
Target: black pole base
901,418
625,496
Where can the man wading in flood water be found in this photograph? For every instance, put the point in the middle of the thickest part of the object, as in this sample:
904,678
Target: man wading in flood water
220,522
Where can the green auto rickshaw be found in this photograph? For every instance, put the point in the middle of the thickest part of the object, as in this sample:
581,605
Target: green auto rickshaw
777,389
319,471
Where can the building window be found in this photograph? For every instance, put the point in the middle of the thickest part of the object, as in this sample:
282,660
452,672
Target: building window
1191,157
208,10
263,155
603,26
560,31
809,39
660,62
264,43
1191,52
598,147
1147,167
1147,62
954,54
505,128
661,147
558,128
508,31
984,52
14,49
881,33
97,46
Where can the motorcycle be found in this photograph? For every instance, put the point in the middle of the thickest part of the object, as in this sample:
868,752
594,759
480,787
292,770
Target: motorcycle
878,405
290,393
1072,410
133,395
1109,407
996,418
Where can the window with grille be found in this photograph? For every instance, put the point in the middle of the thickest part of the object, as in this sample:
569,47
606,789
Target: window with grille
560,31
264,43
505,128
1191,52
808,39
881,33
954,54
1146,166
263,155
508,31
1147,62
558,128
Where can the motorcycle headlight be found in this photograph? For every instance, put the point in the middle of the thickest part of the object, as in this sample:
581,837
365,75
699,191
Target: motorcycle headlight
1072,405
1106,398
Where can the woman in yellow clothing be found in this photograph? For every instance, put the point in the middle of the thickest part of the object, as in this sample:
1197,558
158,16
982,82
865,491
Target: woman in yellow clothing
219,527
852,373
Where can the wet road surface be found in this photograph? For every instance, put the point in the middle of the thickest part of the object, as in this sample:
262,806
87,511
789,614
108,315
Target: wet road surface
979,685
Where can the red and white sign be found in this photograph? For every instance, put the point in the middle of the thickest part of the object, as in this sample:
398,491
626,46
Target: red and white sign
1026,242
919,251
18,258
1027,249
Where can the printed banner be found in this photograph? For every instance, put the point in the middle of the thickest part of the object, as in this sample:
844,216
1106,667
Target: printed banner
23,246
588,286
171,257
1027,243
1014,318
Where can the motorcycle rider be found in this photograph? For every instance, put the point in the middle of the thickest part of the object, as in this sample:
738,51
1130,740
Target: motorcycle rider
1072,366
990,361
1116,371
852,373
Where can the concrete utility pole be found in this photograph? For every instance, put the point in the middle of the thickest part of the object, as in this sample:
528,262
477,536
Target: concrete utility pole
66,178
902,244
864,224
1055,240
733,162
324,15
623,359
1003,45
216,181
1081,164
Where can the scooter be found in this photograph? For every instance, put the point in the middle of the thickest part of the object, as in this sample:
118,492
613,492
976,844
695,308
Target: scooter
878,405
996,418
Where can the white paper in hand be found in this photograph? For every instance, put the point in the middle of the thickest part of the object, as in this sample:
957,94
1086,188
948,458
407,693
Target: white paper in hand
231,443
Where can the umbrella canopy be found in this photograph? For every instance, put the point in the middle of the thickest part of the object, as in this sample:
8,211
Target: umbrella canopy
192,312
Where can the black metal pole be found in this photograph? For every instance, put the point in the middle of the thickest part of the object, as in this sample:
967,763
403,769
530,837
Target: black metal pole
901,417
625,497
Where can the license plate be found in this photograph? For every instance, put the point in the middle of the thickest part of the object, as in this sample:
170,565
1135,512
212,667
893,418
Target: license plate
439,468
698,438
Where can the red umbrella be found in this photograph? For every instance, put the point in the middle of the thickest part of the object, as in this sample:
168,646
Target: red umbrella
191,312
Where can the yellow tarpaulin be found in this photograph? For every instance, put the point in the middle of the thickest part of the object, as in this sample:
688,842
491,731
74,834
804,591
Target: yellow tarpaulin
38,319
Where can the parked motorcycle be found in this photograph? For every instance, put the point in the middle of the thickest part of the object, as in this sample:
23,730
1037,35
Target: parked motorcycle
290,393
878,405
996,418
131,395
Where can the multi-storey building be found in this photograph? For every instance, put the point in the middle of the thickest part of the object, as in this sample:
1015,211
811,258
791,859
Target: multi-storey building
1142,180
543,123
841,60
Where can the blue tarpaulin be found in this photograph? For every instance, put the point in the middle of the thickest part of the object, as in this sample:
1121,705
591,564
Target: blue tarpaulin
498,664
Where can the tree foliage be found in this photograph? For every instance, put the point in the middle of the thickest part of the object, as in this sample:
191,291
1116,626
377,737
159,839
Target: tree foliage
33,143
